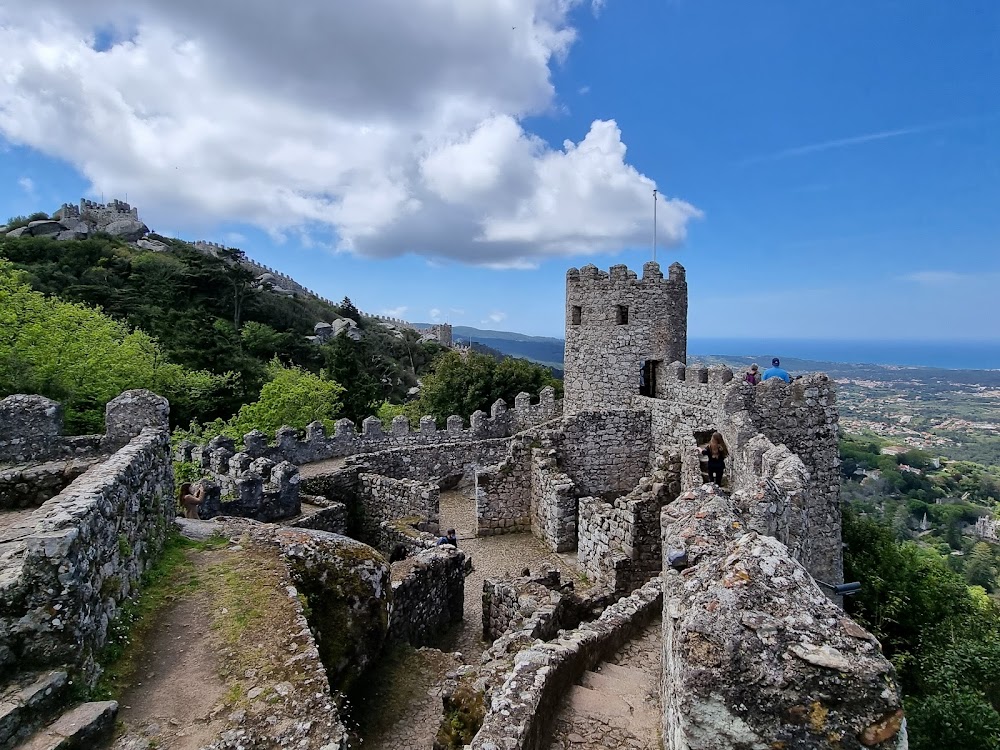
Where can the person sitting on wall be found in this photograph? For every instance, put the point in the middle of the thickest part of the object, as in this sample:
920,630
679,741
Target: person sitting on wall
449,538
775,371
753,374
716,452
191,499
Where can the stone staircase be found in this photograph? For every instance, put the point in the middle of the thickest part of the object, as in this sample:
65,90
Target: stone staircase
616,705
34,715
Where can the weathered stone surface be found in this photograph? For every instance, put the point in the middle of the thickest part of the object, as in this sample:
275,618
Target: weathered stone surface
128,229
43,228
88,725
754,654
346,584
428,594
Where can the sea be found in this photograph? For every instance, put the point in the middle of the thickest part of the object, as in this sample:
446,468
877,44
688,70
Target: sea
954,355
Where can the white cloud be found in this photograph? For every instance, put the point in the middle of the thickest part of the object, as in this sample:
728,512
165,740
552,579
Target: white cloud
435,314
385,132
395,312
27,185
495,317
234,238
596,6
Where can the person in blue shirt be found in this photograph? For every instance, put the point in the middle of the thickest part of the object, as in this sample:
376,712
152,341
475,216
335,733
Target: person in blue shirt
775,371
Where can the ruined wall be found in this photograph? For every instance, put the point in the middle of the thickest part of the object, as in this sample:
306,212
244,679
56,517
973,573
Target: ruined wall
614,321
754,654
72,563
31,485
553,500
503,504
619,541
428,595
605,452
384,499
433,462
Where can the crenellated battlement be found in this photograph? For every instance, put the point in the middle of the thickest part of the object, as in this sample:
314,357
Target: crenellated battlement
620,277
348,440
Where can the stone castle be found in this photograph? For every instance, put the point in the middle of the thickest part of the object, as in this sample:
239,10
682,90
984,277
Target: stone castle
755,650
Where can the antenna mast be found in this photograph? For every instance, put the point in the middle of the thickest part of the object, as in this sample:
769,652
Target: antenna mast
654,225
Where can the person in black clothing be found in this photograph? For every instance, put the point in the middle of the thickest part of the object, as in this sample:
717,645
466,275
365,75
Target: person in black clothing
716,452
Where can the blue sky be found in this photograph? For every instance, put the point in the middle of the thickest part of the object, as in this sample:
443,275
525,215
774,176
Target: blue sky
836,166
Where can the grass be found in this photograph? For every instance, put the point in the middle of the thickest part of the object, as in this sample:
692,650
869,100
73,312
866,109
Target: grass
170,578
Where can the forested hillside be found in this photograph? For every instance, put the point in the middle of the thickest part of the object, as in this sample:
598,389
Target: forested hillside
84,319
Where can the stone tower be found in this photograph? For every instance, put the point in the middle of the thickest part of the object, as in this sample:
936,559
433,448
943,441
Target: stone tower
620,331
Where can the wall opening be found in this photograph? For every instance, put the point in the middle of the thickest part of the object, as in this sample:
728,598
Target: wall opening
577,315
647,377
621,315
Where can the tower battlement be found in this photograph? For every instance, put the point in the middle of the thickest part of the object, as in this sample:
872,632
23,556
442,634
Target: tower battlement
616,322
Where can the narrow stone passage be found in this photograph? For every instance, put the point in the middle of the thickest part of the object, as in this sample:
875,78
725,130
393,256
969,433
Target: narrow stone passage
617,705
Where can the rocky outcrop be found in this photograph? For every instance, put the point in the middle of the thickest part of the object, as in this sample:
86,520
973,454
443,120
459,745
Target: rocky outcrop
129,230
754,654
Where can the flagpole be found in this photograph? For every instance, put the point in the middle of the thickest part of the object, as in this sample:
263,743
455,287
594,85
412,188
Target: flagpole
654,225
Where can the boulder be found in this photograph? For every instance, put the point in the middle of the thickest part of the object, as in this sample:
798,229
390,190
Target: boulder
153,245
67,235
44,227
129,230
19,232
69,223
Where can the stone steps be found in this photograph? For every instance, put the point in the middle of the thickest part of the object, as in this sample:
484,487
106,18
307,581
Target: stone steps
28,702
87,726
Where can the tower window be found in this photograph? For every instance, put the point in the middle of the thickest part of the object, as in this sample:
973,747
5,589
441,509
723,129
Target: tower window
621,315
577,315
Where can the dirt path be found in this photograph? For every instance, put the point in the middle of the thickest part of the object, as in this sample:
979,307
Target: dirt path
617,705
492,556
177,690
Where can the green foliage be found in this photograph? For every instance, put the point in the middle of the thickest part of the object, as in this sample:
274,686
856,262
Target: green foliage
464,384
348,310
186,472
292,397
77,355
942,636
348,361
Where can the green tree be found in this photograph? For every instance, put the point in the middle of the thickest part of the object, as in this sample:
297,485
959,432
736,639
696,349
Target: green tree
77,355
981,568
348,310
347,363
293,397
240,281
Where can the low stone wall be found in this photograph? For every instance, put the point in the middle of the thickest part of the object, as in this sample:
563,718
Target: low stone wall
258,489
435,462
72,563
332,518
520,712
428,594
754,654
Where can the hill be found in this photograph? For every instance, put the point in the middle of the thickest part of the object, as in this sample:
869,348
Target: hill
544,350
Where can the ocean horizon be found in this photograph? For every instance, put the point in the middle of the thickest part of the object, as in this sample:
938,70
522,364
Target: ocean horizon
953,355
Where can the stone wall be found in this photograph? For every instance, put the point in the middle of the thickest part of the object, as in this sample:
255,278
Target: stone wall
428,594
503,504
502,422
519,713
619,542
605,452
754,654
433,462
614,322
31,485
803,416
72,563
387,500
553,500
